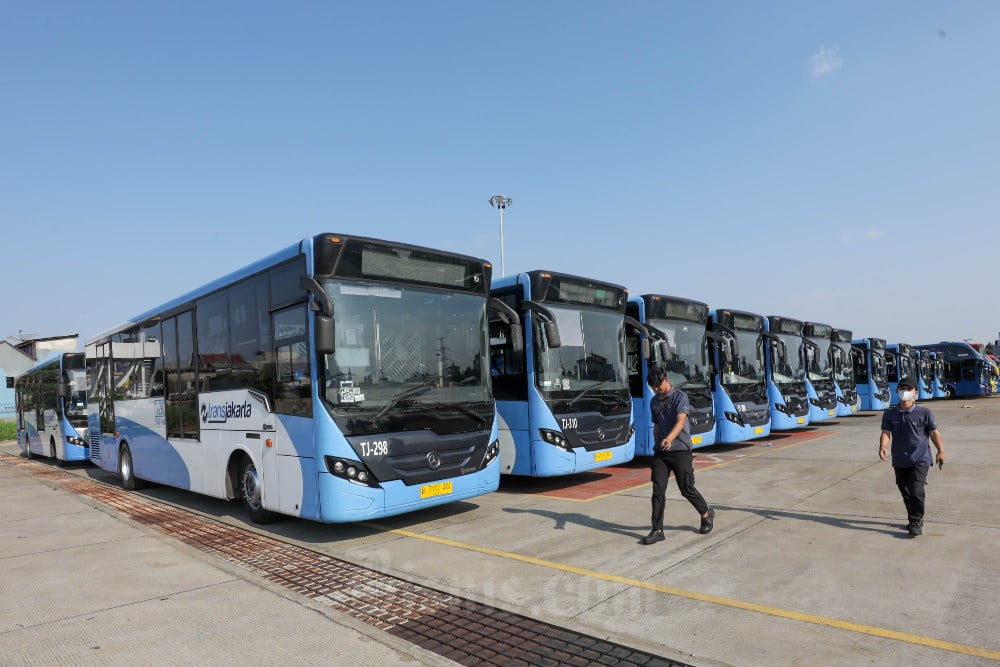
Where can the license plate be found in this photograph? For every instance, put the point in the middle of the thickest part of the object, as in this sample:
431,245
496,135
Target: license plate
854,408
832,413
696,440
602,456
439,489
802,420
758,430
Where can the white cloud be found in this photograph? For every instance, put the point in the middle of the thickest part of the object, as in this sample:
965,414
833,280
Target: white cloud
825,61
869,235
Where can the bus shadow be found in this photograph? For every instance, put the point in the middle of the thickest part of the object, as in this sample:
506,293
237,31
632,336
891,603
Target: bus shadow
884,526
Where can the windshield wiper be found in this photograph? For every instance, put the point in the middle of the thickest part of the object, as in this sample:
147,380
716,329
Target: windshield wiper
464,409
586,389
417,390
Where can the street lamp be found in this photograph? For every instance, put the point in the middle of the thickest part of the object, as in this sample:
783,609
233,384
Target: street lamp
500,202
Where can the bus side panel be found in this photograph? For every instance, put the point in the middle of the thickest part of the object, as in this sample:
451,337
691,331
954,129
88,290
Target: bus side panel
142,425
643,426
298,462
515,445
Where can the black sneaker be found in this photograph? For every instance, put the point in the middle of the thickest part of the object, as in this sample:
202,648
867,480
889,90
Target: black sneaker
653,537
915,529
708,522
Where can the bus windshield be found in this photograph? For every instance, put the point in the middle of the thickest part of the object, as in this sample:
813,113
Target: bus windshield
407,358
688,370
744,377
818,360
843,371
787,369
879,375
591,357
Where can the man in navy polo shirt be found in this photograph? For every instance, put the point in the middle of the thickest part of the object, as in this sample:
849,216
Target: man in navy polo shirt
909,426
672,453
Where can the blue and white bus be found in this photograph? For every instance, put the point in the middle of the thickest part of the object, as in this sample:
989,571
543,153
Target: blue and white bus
870,373
966,372
848,402
938,387
786,373
682,324
899,364
819,353
564,405
341,378
742,411
52,408
925,374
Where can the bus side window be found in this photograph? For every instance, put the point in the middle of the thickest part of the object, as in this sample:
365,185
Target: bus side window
510,381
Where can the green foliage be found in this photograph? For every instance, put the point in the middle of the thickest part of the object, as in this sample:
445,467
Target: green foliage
8,429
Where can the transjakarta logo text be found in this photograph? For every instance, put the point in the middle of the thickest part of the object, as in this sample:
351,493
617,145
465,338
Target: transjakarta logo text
220,414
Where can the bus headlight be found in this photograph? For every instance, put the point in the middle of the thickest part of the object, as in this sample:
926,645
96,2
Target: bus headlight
492,451
555,438
814,402
735,418
783,409
352,471
73,440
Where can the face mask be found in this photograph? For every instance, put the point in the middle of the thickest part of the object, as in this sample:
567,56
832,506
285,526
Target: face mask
905,396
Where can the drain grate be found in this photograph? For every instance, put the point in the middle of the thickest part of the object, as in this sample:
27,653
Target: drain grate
462,630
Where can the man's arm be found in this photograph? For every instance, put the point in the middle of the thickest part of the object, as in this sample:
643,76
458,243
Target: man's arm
936,439
883,443
668,441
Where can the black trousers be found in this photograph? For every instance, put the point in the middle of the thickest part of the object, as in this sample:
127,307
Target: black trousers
911,482
680,463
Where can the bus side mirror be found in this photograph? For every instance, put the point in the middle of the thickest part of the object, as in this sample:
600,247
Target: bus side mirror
666,354
644,348
552,334
734,349
326,336
61,389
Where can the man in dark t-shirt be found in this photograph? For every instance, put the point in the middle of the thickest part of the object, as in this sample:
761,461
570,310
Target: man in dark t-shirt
672,453
909,427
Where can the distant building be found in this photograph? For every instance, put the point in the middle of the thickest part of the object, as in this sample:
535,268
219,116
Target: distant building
18,357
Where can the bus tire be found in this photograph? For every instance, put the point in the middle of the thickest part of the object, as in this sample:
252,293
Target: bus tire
126,471
28,454
250,492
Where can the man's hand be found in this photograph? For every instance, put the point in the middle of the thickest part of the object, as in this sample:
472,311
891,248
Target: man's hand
881,451
666,444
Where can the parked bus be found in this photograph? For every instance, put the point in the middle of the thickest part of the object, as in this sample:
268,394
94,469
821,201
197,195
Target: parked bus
939,385
742,411
682,324
52,408
564,405
848,402
965,371
899,364
925,374
341,378
870,373
819,371
784,366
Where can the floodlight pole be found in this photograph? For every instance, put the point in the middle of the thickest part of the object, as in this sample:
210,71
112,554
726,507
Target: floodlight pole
501,202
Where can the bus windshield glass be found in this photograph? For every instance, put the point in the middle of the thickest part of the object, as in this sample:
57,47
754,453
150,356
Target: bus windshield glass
76,395
688,370
787,368
843,371
744,377
591,358
879,375
407,358
818,359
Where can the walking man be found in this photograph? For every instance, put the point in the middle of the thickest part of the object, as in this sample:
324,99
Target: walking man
909,426
672,453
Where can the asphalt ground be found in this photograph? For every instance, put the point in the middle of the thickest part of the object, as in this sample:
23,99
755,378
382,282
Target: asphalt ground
809,563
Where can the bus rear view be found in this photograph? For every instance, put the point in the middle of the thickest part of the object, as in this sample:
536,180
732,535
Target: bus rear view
564,403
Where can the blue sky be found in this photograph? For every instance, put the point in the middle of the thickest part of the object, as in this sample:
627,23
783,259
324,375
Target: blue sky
834,162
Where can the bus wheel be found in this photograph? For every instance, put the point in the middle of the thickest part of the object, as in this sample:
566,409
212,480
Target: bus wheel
250,491
127,473
28,454
950,391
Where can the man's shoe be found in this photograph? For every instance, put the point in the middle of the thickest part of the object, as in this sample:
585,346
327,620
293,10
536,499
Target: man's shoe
653,537
915,529
708,522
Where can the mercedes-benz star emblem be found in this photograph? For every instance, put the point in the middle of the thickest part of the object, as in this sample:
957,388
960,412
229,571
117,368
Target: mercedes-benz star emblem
433,461
600,434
